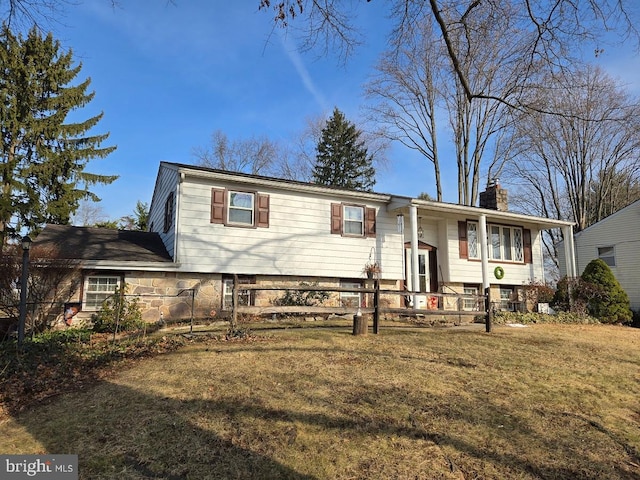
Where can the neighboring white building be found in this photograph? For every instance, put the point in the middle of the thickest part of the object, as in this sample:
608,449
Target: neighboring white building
616,240
215,224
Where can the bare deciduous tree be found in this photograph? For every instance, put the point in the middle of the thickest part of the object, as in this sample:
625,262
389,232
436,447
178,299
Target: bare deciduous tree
252,155
405,96
568,166
415,85
52,281
550,33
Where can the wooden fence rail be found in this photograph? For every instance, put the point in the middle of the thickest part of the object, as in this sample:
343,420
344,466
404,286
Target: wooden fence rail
436,302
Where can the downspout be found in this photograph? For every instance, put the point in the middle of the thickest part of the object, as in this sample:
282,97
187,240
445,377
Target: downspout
415,277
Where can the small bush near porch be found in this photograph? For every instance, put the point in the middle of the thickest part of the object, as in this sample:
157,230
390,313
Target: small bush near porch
543,402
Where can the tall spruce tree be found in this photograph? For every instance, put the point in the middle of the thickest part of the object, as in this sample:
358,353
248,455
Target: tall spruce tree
42,158
342,159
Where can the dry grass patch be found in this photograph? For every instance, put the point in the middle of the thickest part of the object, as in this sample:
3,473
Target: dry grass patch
541,402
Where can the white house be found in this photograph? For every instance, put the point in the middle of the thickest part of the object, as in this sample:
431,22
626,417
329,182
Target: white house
216,224
616,240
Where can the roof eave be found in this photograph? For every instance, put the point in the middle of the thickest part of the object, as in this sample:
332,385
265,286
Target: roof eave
399,203
129,265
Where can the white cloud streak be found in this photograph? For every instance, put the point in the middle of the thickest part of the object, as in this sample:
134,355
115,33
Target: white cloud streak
294,57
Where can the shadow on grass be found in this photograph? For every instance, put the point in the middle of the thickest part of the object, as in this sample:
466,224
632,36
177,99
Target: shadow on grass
119,432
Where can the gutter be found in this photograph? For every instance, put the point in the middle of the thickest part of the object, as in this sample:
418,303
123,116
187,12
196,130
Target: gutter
282,184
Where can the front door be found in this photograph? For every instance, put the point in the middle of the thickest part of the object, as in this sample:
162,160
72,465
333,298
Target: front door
427,268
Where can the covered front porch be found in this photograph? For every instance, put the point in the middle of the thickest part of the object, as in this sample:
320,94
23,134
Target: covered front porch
458,249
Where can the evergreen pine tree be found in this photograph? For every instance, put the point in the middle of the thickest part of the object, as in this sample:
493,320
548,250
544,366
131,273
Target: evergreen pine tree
342,159
42,158
611,304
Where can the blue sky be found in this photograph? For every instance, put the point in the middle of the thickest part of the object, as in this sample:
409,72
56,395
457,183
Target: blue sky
166,76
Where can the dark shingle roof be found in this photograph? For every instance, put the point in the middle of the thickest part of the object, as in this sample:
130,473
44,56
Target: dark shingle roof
88,243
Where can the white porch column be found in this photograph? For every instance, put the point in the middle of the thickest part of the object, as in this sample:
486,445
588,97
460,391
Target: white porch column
484,251
569,251
415,277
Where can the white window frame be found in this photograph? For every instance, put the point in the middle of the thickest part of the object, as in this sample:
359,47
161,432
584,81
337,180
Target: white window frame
607,253
506,299
107,289
496,235
471,304
498,251
244,296
347,298
473,243
237,208
351,221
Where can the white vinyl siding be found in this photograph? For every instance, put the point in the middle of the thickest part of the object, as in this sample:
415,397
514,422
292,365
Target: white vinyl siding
462,270
298,241
622,232
166,183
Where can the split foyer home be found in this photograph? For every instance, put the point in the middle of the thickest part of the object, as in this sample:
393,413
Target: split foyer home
207,225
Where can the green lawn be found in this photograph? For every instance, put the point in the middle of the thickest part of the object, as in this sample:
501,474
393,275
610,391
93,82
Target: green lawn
552,402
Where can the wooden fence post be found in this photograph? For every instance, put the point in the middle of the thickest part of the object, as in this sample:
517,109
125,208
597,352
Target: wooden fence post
359,324
234,303
487,306
376,306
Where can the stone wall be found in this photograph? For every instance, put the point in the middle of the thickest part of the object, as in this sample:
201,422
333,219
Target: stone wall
168,295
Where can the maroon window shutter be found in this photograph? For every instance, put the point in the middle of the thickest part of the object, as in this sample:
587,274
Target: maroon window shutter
526,245
462,239
218,205
336,218
370,222
262,210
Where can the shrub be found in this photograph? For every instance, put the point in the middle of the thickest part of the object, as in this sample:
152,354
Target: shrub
118,313
301,298
611,303
573,294
536,292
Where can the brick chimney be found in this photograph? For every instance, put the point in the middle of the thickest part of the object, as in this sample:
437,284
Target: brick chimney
494,197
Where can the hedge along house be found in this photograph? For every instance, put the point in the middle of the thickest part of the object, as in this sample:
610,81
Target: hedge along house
216,224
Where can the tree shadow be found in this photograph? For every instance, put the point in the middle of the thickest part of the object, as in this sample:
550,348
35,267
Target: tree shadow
119,431
153,438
